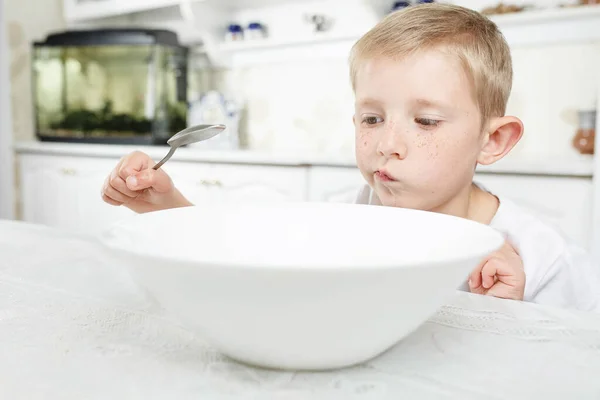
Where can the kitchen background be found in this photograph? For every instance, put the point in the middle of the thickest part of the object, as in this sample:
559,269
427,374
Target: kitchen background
291,93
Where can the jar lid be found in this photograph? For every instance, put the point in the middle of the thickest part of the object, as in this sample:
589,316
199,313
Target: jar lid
255,25
587,119
234,28
401,4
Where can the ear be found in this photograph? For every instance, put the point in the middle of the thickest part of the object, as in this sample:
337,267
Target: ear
354,120
502,135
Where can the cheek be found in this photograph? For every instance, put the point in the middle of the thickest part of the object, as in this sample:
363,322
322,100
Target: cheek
452,155
444,156
364,142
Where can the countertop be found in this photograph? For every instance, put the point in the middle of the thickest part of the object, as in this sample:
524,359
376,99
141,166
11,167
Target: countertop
576,166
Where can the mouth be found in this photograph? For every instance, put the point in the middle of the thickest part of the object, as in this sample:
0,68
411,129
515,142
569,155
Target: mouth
383,176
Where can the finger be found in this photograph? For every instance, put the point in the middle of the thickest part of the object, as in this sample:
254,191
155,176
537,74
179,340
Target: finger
488,273
475,277
134,163
478,290
116,195
501,290
149,178
119,184
110,201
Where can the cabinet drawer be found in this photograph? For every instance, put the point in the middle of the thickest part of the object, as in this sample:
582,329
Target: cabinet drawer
65,192
334,184
215,182
564,202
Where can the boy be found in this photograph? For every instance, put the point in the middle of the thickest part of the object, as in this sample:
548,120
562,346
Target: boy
431,84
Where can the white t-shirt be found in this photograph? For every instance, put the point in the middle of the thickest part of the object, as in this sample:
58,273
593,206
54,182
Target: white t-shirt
558,272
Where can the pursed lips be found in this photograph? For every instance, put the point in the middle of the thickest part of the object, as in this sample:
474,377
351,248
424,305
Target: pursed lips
384,176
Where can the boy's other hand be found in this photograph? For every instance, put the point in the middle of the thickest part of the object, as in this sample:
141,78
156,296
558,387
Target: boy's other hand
500,275
134,184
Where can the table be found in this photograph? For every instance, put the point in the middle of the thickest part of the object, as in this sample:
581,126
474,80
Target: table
73,325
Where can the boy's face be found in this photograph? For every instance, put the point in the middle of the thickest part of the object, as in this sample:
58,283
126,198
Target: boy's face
418,129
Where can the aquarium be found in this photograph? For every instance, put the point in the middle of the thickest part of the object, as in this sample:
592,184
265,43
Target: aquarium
110,86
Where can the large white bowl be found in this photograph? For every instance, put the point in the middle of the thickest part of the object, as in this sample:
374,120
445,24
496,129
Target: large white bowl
301,286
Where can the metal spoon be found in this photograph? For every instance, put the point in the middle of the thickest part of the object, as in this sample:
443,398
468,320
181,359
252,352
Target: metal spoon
190,135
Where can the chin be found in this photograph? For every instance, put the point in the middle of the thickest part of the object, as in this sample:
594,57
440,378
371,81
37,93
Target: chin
400,200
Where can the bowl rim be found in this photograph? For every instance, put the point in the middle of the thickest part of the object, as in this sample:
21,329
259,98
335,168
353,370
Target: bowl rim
291,266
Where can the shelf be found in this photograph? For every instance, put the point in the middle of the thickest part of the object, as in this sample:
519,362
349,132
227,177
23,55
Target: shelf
550,26
268,51
527,28
99,9
96,10
538,16
266,44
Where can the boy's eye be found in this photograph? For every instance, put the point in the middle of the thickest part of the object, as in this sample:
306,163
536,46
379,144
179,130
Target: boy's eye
427,122
372,120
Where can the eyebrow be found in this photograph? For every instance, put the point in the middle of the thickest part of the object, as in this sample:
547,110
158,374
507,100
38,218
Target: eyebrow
423,102
369,101
434,104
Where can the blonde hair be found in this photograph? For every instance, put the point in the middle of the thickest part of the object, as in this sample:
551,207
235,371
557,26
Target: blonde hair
473,38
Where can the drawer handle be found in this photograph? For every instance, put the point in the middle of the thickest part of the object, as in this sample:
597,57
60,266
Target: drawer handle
69,171
215,182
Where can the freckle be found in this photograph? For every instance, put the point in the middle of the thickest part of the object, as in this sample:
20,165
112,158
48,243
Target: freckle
365,143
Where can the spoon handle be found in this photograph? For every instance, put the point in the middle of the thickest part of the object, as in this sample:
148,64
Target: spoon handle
165,159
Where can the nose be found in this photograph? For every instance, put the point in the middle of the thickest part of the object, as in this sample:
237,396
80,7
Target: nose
391,143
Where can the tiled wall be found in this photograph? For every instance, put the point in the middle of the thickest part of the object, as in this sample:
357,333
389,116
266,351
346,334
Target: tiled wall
309,105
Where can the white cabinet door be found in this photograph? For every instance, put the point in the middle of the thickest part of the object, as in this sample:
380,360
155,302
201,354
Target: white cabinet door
64,192
192,180
258,183
204,183
48,194
565,202
334,184
80,10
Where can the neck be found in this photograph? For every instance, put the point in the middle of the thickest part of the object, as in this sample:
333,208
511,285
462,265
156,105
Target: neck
471,203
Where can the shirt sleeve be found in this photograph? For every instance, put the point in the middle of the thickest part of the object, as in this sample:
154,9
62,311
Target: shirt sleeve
571,281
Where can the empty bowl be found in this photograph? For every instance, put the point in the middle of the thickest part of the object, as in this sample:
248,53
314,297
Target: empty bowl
302,286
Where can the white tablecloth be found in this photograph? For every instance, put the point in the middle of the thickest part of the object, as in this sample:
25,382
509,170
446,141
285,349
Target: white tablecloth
74,326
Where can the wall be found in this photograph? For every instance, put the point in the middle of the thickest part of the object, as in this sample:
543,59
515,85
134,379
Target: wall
6,155
28,21
308,104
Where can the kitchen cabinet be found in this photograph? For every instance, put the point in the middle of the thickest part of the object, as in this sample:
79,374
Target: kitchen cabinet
64,191
564,202
61,187
204,183
334,184
82,10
